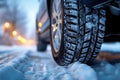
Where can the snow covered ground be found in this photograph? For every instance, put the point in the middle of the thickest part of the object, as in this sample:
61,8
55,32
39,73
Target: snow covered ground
35,65
113,47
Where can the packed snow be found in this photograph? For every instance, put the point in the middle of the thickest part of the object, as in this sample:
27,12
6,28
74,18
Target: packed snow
41,66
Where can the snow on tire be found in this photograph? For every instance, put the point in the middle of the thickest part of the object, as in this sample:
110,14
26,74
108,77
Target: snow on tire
69,32
93,21
78,35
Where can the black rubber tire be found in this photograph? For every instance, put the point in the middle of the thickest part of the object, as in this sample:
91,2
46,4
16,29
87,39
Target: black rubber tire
80,41
92,22
41,46
70,33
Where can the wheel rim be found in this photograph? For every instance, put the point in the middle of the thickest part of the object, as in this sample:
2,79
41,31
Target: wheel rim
56,21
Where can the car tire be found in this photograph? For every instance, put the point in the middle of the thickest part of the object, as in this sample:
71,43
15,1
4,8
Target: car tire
77,40
41,46
92,22
69,28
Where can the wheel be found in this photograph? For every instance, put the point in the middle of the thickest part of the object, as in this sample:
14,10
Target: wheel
64,30
41,46
76,31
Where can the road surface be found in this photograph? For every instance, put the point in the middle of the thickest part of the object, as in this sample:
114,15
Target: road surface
25,63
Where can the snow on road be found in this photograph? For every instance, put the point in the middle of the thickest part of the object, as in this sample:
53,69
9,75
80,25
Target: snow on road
46,69
41,66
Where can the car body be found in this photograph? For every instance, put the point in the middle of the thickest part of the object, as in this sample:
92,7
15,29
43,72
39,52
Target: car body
42,19
44,23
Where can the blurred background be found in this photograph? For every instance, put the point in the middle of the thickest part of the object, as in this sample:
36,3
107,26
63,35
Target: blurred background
17,22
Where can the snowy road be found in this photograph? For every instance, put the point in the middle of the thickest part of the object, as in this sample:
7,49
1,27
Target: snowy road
28,64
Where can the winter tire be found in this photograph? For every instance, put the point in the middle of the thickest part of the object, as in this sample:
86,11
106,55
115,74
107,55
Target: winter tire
41,46
92,23
64,30
76,31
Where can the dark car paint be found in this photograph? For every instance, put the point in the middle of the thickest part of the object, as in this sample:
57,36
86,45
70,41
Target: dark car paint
112,32
43,15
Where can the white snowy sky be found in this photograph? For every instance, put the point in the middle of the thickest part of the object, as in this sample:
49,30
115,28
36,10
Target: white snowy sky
30,7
